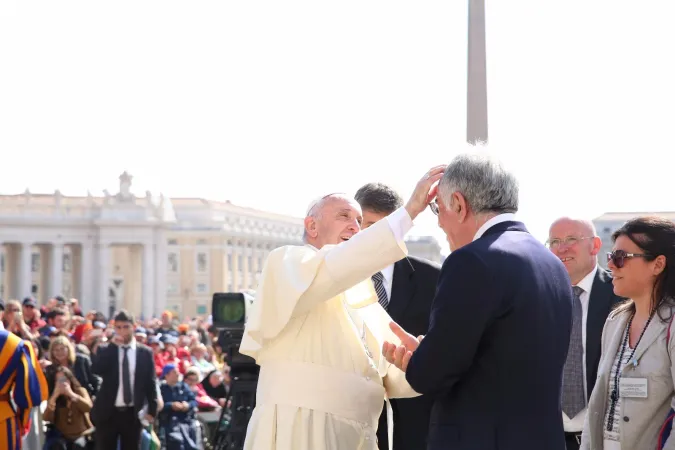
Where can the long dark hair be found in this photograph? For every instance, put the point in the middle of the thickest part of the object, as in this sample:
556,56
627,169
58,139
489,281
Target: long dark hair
655,236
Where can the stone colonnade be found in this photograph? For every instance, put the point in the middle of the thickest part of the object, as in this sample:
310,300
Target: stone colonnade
90,269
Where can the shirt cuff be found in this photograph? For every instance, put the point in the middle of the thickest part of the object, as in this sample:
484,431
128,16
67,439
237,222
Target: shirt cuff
400,223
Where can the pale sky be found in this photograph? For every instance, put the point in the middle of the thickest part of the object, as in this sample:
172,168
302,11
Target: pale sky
272,103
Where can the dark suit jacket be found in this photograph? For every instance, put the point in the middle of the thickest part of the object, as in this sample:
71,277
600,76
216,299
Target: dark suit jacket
602,301
412,291
497,343
106,364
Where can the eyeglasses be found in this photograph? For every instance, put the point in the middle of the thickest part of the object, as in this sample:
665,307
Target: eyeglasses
618,257
433,206
569,241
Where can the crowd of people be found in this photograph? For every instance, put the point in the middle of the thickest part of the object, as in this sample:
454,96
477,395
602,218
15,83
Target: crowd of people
190,374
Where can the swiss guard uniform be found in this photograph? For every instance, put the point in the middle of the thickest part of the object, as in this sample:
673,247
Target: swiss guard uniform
21,381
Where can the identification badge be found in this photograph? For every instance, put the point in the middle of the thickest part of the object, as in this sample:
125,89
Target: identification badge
633,387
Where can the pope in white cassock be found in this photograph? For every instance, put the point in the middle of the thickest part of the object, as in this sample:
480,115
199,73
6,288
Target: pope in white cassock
316,330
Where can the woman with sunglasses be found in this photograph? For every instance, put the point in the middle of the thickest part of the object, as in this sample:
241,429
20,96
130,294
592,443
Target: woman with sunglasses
634,390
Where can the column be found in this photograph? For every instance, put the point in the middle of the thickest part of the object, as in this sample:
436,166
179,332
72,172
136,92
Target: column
44,274
161,266
227,269
148,280
55,270
236,251
103,278
25,274
246,270
87,296
476,89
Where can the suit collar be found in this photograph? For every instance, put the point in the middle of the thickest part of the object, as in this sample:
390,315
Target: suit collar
501,227
655,329
587,282
506,217
600,304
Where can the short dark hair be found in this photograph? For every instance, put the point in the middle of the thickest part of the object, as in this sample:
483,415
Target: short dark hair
379,198
54,313
123,316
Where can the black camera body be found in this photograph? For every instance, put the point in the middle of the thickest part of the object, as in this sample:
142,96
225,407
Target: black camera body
229,314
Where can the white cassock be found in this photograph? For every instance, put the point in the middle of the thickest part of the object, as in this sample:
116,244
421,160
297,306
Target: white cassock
316,331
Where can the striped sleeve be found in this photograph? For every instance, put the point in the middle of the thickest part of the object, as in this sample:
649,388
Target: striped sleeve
31,386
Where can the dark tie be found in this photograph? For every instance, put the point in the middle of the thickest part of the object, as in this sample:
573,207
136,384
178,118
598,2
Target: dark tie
126,378
378,282
574,399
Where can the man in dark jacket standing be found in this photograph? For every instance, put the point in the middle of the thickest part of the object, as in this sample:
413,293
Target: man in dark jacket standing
577,245
500,322
128,377
405,290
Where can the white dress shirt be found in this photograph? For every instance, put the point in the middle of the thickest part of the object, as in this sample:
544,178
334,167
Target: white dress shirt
506,217
400,223
388,275
131,356
576,425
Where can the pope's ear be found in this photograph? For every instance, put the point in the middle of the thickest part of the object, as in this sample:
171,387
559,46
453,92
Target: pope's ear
310,227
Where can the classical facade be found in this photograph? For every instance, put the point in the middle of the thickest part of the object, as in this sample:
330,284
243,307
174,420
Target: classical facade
609,222
145,254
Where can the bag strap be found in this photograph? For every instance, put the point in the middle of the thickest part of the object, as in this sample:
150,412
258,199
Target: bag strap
671,416
659,446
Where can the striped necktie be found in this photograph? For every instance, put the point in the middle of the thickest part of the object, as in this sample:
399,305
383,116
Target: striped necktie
574,398
378,282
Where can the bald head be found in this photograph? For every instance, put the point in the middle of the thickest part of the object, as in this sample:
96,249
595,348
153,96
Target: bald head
575,242
332,219
582,224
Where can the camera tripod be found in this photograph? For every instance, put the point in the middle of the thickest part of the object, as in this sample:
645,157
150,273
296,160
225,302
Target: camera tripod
231,427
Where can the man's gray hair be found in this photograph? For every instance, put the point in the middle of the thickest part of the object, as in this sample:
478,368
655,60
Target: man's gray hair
483,181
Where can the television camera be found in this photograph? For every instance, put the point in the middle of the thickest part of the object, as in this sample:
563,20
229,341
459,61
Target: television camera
229,311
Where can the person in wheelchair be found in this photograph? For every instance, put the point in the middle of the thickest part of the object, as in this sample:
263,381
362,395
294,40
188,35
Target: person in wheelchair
68,412
177,417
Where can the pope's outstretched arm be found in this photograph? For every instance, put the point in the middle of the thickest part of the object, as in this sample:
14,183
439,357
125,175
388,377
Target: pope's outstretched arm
296,279
340,267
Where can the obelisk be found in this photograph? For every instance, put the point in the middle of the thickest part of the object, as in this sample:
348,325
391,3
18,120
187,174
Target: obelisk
476,89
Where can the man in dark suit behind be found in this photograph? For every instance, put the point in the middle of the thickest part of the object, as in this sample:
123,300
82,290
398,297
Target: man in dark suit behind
406,292
128,377
500,322
577,245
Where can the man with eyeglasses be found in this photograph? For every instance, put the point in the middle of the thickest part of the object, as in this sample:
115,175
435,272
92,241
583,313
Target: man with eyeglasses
576,244
128,377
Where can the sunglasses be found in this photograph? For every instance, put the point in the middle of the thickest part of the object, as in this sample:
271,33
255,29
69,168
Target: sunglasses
618,257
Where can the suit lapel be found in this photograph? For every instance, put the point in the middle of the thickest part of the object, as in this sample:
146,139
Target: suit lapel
136,388
654,330
599,305
402,288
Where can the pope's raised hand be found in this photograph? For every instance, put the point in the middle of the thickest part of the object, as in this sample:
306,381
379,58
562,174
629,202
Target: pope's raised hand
399,355
425,191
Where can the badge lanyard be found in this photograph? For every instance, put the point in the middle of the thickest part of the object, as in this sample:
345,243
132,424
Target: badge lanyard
615,391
